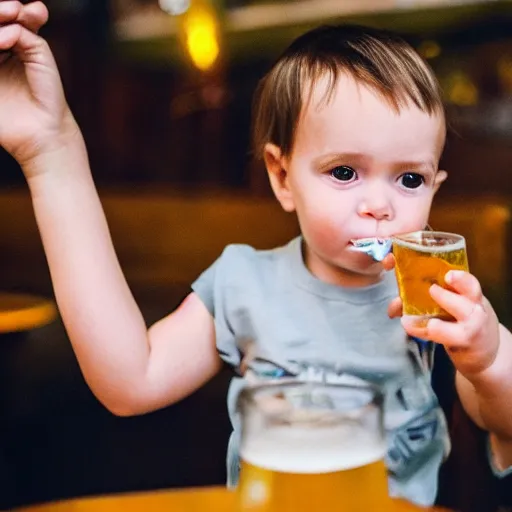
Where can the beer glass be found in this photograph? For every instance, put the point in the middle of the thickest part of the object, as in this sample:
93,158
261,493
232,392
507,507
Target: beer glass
309,446
422,259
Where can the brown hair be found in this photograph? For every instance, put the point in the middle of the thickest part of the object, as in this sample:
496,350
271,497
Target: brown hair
375,57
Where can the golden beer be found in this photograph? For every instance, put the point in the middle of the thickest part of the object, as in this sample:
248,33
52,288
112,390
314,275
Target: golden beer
422,259
303,452
363,488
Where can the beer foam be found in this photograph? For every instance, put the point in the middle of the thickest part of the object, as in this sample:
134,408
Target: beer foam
295,449
419,244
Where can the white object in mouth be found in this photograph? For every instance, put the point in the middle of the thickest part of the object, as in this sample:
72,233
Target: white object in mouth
375,247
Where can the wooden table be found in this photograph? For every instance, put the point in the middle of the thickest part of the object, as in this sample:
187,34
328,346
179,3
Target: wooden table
22,312
215,499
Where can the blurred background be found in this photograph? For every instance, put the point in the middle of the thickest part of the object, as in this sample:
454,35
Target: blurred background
162,88
162,91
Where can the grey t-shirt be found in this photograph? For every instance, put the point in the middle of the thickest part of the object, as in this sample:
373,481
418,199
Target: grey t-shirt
273,314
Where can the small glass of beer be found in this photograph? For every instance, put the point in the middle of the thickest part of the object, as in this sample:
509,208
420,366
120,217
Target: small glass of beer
310,446
422,259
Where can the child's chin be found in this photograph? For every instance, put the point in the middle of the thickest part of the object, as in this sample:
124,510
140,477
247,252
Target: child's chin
375,269
364,264
363,268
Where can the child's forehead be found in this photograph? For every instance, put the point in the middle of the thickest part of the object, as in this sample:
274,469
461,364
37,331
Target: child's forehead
319,90
348,114
329,92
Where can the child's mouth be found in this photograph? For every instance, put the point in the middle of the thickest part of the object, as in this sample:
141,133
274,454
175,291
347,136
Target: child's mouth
375,247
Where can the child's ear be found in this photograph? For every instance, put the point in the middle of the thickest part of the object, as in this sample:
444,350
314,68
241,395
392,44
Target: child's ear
439,179
278,176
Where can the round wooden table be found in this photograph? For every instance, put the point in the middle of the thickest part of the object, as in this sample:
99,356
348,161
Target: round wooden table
217,499
23,312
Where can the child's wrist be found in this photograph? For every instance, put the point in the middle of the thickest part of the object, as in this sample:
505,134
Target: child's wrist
497,377
66,154
42,154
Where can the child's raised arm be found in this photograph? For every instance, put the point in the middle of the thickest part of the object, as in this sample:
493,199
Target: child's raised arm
128,368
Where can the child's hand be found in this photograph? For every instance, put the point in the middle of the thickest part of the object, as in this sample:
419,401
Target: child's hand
34,117
32,16
472,339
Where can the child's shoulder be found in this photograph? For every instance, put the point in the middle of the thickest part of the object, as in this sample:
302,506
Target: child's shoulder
242,263
245,253
242,270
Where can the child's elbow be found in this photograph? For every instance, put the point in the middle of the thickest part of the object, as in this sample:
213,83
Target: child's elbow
122,411
122,407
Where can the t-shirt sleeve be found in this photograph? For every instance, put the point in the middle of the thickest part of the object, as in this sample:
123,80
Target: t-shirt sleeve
211,287
204,285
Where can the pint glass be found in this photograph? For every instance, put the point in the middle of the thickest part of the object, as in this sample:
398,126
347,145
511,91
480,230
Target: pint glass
422,259
312,447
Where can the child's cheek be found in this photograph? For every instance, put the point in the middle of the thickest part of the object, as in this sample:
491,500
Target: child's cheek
325,234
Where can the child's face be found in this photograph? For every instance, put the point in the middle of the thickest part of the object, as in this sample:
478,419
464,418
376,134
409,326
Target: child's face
358,169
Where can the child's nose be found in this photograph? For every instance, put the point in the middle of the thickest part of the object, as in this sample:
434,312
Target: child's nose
376,205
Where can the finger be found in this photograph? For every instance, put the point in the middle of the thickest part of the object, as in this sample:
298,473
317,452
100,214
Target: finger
33,16
415,326
456,335
453,335
458,306
395,308
9,11
464,283
9,36
388,262
28,46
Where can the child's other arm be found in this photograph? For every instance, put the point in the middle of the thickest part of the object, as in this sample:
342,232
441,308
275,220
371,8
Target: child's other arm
130,369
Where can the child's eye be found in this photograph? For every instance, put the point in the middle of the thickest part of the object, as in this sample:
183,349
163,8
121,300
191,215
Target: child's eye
412,180
343,173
